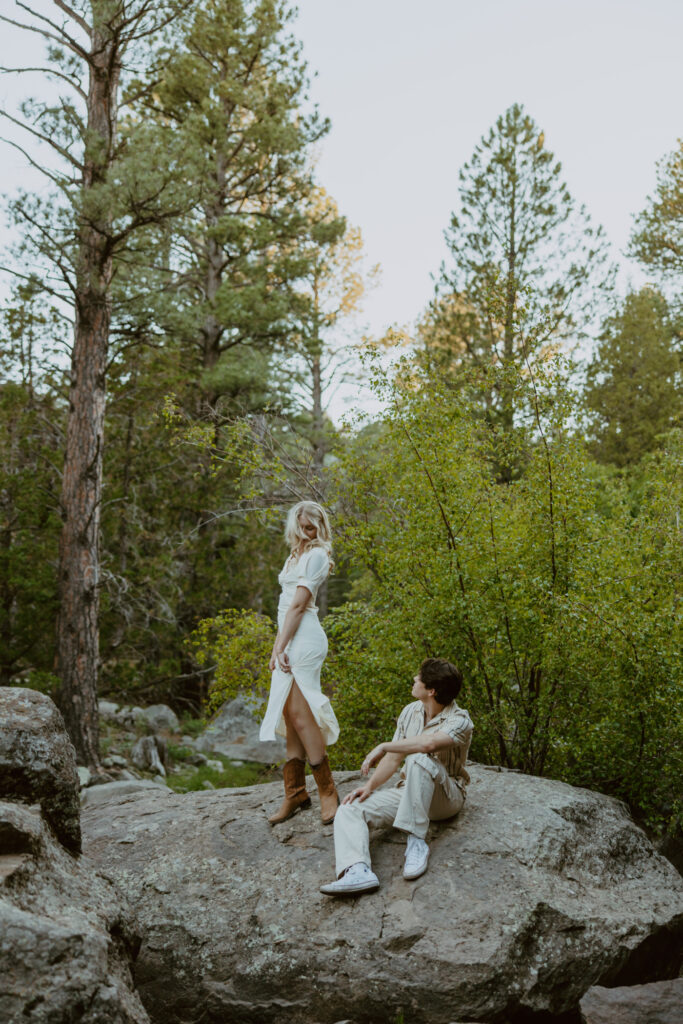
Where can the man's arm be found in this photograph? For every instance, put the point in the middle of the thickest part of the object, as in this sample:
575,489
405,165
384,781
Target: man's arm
390,756
425,743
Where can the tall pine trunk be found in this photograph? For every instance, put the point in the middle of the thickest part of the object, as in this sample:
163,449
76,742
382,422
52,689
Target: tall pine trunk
79,568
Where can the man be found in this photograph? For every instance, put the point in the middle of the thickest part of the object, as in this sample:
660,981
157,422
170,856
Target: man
433,734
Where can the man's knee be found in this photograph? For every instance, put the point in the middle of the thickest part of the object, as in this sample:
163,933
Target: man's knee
423,762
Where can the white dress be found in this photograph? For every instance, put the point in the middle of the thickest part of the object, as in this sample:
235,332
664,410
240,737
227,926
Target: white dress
307,649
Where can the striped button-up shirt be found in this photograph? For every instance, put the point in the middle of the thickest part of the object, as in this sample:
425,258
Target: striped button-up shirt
454,722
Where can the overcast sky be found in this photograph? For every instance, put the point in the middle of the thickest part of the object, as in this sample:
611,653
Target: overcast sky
411,85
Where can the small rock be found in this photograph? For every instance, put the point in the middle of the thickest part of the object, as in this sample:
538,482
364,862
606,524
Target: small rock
197,759
215,766
118,761
149,753
187,741
84,775
238,764
107,762
107,709
160,717
160,780
130,717
125,774
207,785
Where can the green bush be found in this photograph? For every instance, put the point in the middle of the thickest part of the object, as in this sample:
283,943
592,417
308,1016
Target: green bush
560,602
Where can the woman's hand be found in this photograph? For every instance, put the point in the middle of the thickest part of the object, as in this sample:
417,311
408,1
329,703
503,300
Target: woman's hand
372,758
360,794
279,659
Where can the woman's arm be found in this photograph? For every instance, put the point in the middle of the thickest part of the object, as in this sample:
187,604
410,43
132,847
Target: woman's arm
302,596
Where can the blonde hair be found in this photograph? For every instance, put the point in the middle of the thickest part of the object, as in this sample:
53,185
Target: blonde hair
318,516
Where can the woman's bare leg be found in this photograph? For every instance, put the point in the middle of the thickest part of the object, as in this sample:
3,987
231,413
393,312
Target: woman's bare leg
295,747
299,716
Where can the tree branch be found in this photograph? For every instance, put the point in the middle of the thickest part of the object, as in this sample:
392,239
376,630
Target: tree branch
45,138
76,17
46,71
63,36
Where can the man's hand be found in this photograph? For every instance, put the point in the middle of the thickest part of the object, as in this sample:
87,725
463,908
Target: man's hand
360,794
373,757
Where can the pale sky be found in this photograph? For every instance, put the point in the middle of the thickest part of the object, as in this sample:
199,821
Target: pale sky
411,85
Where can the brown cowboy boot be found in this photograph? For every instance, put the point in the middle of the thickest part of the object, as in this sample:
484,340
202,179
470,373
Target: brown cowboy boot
329,799
296,796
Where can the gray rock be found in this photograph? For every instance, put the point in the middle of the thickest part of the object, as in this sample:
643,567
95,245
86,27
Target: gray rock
206,784
96,796
107,710
187,741
38,761
160,717
234,732
129,717
216,766
197,759
534,893
84,775
118,761
65,945
149,753
660,1002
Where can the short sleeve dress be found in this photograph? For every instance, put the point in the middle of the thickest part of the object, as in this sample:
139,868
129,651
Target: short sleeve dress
307,649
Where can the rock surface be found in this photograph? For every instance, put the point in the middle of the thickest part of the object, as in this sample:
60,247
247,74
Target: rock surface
65,944
118,791
658,1003
234,732
38,761
160,717
534,893
150,753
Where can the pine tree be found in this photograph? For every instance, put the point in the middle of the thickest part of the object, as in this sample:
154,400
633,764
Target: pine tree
103,193
524,260
634,385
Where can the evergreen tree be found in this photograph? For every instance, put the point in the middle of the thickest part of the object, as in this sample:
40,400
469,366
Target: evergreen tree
103,193
634,386
233,87
524,261
657,240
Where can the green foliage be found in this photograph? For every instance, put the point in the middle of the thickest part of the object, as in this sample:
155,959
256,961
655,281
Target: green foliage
192,779
657,240
634,386
525,265
561,607
239,644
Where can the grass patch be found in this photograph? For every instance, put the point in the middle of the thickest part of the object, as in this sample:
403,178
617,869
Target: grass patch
190,726
191,779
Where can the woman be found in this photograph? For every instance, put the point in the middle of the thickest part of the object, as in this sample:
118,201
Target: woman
297,708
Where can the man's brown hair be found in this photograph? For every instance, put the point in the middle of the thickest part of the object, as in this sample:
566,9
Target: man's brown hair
443,677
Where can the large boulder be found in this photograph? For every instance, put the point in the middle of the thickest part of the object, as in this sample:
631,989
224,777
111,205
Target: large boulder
533,894
234,732
661,1002
65,942
38,761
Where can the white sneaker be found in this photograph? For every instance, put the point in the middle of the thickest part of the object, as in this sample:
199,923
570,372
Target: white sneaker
417,857
356,879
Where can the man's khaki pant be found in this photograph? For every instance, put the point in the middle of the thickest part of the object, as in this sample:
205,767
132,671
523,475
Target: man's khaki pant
428,793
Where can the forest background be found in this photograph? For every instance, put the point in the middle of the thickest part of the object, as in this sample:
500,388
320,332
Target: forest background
181,311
